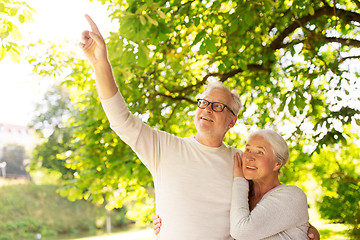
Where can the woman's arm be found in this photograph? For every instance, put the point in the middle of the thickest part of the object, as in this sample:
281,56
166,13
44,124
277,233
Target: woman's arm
281,209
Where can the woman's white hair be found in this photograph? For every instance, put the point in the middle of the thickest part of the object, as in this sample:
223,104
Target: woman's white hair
277,142
236,104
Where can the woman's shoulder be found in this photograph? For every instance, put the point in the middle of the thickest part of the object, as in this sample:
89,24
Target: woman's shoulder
291,188
289,191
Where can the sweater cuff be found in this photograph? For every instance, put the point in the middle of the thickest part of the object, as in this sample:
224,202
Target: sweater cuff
240,180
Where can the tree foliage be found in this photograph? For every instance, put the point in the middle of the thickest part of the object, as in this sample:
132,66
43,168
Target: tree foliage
292,63
49,123
340,184
12,14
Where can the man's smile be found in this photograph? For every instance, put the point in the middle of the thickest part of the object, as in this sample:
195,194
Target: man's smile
207,119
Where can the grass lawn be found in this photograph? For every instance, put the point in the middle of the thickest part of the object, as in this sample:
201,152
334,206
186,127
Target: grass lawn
331,231
328,231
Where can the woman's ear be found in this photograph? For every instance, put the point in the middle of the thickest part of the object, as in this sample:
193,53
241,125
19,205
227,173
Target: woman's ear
278,165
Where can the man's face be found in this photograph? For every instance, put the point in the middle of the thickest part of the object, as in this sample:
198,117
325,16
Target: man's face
215,123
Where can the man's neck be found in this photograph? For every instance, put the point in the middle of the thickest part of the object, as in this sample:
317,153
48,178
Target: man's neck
209,141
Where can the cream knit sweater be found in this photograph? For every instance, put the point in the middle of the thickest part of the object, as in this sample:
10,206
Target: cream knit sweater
192,181
281,214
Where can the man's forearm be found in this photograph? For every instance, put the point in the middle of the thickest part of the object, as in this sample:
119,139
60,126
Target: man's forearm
105,81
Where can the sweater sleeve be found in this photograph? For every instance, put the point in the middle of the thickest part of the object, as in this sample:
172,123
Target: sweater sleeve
116,110
132,130
281,209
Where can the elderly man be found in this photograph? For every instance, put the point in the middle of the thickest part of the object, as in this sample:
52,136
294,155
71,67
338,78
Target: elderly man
193,175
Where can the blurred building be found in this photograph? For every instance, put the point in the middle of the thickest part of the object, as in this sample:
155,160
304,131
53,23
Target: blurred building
16,134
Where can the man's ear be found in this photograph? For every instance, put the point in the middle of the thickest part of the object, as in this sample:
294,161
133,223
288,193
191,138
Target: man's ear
233,122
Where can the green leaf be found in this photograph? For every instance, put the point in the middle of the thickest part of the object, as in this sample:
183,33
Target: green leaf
152,21
199,37
2,52
197,21
13,11
4,35
14,55
210,45
15,34
357,121
161,14
311,10
142,19
21,18
2,7
143,55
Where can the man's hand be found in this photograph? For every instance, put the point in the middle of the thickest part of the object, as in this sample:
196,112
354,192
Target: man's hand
313,233
93,43
94,48
237,172
156,224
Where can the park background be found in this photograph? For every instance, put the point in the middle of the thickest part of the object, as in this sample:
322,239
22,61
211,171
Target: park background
295,65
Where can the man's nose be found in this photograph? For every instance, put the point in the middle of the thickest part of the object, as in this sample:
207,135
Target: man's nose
209,108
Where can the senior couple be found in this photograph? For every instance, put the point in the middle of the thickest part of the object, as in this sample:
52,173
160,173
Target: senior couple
199,179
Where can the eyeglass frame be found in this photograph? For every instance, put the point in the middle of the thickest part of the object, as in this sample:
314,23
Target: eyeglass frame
208,103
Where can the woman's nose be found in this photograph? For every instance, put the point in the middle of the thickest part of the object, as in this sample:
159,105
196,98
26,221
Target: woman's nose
250,157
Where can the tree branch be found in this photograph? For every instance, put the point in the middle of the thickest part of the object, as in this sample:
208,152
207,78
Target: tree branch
351,42
346,58
347,16
178,98
222,77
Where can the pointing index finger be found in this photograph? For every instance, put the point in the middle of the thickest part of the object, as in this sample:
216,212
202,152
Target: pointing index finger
93,26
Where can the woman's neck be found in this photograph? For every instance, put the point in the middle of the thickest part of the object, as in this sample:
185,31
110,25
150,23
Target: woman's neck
260,189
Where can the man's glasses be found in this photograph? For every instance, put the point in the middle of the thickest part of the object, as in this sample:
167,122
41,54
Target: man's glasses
215,106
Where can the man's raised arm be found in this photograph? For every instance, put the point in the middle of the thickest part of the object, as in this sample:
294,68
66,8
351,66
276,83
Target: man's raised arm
94,48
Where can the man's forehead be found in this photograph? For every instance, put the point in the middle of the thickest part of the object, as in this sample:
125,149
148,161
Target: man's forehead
217,94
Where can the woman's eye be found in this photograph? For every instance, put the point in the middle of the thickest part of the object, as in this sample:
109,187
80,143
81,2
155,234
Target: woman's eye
261,152
247,150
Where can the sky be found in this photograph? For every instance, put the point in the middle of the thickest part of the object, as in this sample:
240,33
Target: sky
56,21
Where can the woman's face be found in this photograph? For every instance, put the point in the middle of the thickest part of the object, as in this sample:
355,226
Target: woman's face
258,161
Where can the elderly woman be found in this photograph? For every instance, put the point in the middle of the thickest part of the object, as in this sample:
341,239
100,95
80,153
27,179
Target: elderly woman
266,209
262,207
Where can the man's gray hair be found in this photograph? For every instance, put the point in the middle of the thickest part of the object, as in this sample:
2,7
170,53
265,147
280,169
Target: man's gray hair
277,142
236,104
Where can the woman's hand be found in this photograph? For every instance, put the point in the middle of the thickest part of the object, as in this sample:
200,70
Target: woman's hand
237,172
313,233
93,44
156,224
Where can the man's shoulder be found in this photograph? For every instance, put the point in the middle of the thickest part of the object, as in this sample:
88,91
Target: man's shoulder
233,149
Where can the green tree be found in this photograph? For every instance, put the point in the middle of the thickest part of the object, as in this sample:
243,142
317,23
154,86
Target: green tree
14,156
12,14
291,62
340,184
49,122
